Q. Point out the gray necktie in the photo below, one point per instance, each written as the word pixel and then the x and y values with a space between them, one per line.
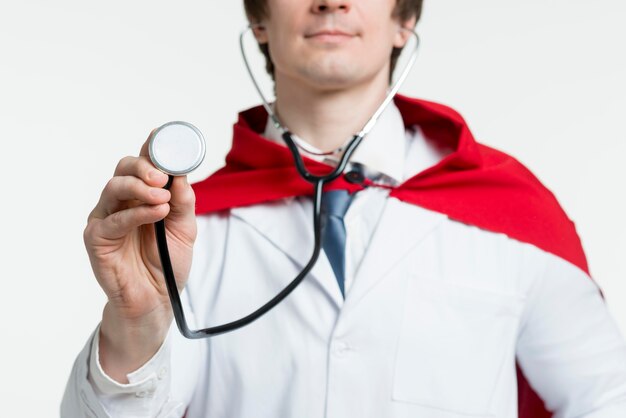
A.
pixel 334 206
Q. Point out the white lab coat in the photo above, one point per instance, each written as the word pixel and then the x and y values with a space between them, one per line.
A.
pixel 437 314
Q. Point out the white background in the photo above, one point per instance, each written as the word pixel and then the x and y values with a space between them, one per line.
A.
pixel 83 83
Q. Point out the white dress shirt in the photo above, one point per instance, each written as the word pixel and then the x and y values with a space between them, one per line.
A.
pixel 436 314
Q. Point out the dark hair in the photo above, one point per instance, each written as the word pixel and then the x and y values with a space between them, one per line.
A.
pixel 256 10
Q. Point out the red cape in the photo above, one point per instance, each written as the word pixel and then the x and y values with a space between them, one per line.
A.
pixel 475 184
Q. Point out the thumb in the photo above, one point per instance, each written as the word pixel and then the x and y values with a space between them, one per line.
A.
pixel 183 201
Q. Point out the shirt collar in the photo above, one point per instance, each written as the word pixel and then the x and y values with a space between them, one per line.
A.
pixel 382 150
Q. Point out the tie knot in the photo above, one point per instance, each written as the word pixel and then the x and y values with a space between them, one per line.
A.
pixel 336 202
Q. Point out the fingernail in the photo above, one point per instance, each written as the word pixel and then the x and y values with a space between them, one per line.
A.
pixel 158 192
pixel 156 175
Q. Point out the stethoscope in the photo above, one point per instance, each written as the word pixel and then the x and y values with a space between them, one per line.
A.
pixel 177 148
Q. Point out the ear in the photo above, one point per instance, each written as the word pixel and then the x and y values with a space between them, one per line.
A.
pixel 403 33
pixel 260 33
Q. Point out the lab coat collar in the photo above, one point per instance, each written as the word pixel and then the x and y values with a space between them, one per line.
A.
pixel 282 227
pixel 277 223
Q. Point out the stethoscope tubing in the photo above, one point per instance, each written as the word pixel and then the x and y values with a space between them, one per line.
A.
pixel 318 182
pixel 172 288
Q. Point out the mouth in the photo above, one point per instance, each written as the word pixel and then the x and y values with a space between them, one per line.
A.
pixel 330 36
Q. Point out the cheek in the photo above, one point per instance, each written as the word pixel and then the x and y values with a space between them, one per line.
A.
pixel 379 27
pixel 282 46
pixel 378 41
pixel 283 37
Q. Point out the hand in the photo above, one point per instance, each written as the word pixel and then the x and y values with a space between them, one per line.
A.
pixel 121 244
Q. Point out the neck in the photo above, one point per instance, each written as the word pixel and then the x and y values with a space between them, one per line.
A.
pixel 326 119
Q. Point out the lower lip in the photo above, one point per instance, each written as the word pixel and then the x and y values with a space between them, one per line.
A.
pixel 330 38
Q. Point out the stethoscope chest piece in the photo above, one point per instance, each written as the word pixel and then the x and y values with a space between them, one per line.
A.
pixel 177 148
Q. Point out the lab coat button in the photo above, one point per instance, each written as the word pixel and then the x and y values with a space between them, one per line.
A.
pixel 141 394
pixel 162 373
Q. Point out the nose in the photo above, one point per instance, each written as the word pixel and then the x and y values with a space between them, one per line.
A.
pixel 331 6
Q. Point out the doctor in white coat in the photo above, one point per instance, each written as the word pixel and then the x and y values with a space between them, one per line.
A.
pixel 430 323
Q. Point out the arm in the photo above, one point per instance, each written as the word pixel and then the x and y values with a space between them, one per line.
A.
pixel 162 387
pixel 569 346
pixel 119 239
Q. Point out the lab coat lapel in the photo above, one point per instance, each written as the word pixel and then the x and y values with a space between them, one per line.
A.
pixel 401 228
pixel 290 229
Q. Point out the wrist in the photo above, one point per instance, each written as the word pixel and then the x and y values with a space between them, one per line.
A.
pixel 125 345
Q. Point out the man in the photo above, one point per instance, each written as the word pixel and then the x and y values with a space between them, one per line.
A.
pixel 457 269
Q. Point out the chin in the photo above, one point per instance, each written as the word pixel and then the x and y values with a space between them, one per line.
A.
pixel 331 82
pixel 332 76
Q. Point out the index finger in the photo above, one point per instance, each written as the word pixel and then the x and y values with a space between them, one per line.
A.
pixel 142 168
pixel 145 147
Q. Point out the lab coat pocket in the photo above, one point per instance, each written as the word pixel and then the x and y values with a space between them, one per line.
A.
pixel 454 342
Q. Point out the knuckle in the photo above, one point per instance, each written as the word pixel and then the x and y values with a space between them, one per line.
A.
pixel 117 220
pixel 123 163
pixel 109 192
pixel 87 232
pixel 91 217
pixel 121 187
pixel 111 184
pixel 116 183
pixel 90 231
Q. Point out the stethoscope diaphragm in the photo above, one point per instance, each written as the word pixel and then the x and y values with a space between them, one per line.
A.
pixel 177 148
